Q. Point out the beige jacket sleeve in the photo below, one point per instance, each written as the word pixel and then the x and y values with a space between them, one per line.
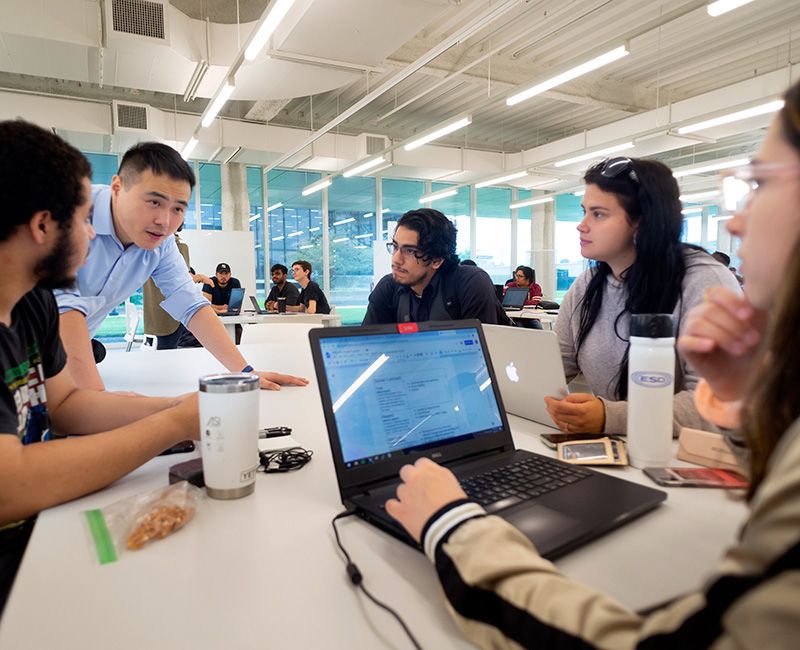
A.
pixel 504 595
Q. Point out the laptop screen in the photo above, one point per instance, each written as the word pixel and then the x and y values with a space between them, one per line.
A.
pixel 235 302
pixel 397 393
pixel 515 297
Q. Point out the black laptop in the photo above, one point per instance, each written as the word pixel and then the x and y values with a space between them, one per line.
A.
pixel 393 393
pixel 234 302
pixel 514 298
pixel 256 307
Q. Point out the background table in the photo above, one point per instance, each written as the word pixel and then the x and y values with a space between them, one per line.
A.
pixel 263 571
pixel 245 318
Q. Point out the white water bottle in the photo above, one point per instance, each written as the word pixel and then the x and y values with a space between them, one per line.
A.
pixel 651 389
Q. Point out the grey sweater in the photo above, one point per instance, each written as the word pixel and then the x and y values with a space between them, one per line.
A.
pixel 603 349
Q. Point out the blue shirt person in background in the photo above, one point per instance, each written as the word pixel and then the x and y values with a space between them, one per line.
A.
pixel 135 219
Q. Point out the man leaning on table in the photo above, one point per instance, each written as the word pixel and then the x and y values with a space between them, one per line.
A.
pixel 135 219
pixel 45 232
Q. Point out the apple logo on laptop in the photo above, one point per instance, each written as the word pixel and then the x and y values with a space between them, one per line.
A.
pixel 511 371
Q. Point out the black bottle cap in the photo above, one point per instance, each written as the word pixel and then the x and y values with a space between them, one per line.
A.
pixel 652 326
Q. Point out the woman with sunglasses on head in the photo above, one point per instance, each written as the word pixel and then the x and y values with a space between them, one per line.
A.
pixel 631 230
pixel 503 594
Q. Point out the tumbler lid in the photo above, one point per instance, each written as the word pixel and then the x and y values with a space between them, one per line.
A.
pixel 235 382
pixel 652 326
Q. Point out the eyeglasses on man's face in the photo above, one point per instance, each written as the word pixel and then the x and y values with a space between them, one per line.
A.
pixel 405 251
pixel 738 185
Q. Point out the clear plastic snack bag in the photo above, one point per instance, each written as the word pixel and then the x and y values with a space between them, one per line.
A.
pixel 131 523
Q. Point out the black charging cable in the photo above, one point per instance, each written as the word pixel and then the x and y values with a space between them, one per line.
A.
pixel 286 460
pixel 358 580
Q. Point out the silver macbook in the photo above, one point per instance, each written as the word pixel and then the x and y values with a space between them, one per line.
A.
pixel 529 367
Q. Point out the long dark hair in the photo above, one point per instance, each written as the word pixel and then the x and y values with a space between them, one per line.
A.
pixel 774 394
pixel 650 197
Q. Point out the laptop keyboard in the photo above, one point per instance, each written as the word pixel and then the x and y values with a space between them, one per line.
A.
pixel 525 479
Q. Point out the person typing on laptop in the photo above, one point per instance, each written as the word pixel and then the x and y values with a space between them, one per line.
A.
pixel 503 594
pixel 135 219
pixel 45 231
pixel 218 291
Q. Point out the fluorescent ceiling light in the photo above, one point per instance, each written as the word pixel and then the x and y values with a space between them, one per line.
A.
pixel 501 179
pixel 369 234
pixel 439 132
pixel 339 240
pixel 270 23
pixel 367 215
pixel 724 6
pixel 314 229
pixel 295 234
pixel 304 246
pixel 594 154
pixel 275 206
pixel 579 193
pixel 692 210
pixel 699 196
pixel 217 103
pixel 254 217
pixel 527 202
pixel 232 156
pixel 317 186
pixel 761 109
pixel 711 167
pixel 572 73
pixel 435 196
pixel 364 166
pixel 189 147
pixel 200 70
pixel 344 221
pixel 385 210
pixel 278 238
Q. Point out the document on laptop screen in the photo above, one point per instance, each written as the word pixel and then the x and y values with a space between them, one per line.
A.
pixel 393 393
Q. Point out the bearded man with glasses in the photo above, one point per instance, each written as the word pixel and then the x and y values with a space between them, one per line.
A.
pixel 427 282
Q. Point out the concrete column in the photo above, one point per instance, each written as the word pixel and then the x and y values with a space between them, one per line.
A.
pixel 543 238
pixel 514 230
pixel 326 247
pixel 235 198
pixel 704 228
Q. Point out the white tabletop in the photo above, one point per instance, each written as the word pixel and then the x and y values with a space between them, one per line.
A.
pixel 263 571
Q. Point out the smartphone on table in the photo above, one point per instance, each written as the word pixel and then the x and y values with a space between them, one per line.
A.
pixel 696 477
pixel 552 439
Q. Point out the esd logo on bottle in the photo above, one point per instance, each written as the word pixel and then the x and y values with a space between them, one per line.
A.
pixel 652 379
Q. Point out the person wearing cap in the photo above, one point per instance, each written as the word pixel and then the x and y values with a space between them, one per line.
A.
pixel 218 291
pixel 135 219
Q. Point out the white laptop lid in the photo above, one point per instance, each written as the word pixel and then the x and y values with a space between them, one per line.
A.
pixel 528 366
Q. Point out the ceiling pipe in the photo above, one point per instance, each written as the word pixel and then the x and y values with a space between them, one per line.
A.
pixel 483 20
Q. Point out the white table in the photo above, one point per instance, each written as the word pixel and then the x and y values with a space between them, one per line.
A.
pixel 263 571
pixel 534 314
pixel 244 318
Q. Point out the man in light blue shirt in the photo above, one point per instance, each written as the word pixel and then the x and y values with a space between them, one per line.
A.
pixel 135 219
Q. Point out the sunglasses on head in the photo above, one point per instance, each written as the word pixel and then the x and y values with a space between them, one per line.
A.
pixel 613 167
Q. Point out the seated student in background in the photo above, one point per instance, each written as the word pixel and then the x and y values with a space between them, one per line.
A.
pixel 45 230
pixel 525 277
pixel 311 299
pixel 631 228
pixel 218 291
pixel 427 282
pixel 504 595
pixel 135 219
pixel 281 288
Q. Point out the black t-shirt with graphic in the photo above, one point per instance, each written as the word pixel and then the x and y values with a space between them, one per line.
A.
pixel 221 295
pixel 314 292
pixel 30 352
pixel 289 292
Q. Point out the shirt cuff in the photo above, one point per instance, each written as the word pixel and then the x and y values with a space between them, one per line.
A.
pixel 444 521
pixel 616 416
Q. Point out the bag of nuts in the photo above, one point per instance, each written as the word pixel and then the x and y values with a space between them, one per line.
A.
pixel 131 523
